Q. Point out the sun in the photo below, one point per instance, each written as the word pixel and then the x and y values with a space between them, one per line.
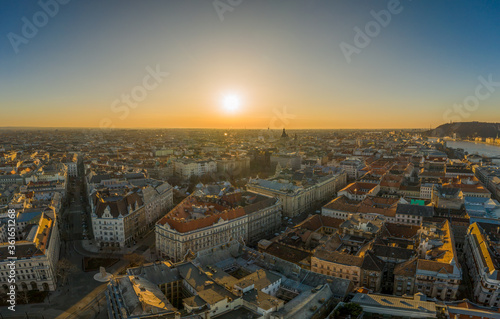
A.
pixel 231 102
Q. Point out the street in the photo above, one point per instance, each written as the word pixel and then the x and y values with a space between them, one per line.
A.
pixel 81 296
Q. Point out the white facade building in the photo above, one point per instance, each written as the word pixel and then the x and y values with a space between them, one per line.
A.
pixel 352 166
pixel 190 167
pixel 37 255
pixel 117 218
pixel 297 199
pixel 482 251
pixel 426 190
pixel 196 224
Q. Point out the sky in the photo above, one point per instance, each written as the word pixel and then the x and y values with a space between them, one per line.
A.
pixel 248 63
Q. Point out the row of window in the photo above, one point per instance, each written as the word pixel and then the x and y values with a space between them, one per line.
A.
pixel 19 265
pixel 355 273
pixel 19 277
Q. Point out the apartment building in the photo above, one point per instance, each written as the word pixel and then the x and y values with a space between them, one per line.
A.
pixel 482 256
pixel 370 207
pixel 392 210
pixel 7 193
pixel 292 161
pixel 199 223
pixel 403 259
pixel 11 179
pixel 112 179
pixel 118 216
pixel 426 190
pixel 187 167
pixel 353 167
pixel 358 225
pixel 470 187
pixel 37 255
pixel 438 273
pixel 447 197
pixel 486 173
pixel 358 191
pixel 70 160
pixel 383 306
pixel 230 281
pixel 298 195
pixel 233 165
pixel 419 306
pixel 363 269
pixel 413 214
pixel 158 199
pixel 49 173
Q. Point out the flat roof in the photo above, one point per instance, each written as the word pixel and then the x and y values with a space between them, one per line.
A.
pixel 392 303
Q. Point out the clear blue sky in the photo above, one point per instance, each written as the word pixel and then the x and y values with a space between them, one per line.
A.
pixel 271 54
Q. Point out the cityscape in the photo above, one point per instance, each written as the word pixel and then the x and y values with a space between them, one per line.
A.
pixel 236 159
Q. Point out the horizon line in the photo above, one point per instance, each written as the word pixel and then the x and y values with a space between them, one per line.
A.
pixel 197 128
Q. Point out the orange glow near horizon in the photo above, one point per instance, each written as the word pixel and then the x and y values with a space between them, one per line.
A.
pixel 177 64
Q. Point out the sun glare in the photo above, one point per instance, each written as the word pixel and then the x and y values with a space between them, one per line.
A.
pixel 231 103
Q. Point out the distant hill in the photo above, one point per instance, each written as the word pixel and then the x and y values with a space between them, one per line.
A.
pixel 465 130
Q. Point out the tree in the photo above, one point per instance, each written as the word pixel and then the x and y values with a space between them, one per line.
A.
pixel 135 259
pixel 65 268
pixel 174 180
pixel 351 308
pixel 108 251
pixel 24 296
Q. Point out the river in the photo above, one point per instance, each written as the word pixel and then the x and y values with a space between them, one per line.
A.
pixel 475 148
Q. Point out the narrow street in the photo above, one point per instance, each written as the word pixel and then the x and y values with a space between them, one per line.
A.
pixel 81 296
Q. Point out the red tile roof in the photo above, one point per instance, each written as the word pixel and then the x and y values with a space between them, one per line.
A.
pixel 183 226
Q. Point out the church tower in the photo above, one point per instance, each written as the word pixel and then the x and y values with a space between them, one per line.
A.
pixel 284 135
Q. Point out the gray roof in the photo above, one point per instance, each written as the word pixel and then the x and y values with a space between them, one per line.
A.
pixel 302 305
pixel 392 303
pixel 275 185
pixel 448 191
pixel 157 273
pixel 415 210
pixel 392 252
pixel 193 276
